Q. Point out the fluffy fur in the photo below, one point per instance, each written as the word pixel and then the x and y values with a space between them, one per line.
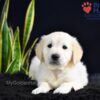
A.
pixel 57 64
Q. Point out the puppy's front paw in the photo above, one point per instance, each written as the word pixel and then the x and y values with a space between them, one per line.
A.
pixel 40 90
pixel 62 90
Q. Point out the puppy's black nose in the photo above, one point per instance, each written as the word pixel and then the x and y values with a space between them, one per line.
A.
pixel 55 57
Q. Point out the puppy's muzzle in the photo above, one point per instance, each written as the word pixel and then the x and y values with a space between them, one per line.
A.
pixel 55 59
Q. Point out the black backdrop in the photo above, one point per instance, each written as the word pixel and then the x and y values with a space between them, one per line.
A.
pixel 61 15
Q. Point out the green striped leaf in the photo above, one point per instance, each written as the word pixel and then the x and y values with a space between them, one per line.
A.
pixel 29 20
pixel 16 50
pixel 10 44
pixel 29 51
pixel 0 51
pixel 4 14
pixel 3 17
pixel 2 20
pixel 25 59
pixel 5 46
pixel 15 66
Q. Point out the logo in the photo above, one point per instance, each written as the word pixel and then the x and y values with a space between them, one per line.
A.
pixel 91 10
pixel 87 7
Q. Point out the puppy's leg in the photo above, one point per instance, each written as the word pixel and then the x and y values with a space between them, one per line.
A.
pixel 64 88
pixel 43 87
pixel 77 85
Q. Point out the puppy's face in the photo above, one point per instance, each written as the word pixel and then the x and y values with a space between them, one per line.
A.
pixel 56 50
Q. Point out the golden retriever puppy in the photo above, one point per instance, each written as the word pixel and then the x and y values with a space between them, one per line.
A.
pixel 57 64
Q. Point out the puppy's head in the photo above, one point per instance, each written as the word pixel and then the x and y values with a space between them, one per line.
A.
pixel 58 50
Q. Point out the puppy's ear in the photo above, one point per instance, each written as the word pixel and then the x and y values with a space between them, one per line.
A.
pixel 39 49
pixel 77 51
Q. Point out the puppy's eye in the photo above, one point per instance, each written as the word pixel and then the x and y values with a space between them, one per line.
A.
pixel 50 45
pixel 64 47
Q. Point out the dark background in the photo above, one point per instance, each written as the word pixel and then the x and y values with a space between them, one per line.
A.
pixel 61 15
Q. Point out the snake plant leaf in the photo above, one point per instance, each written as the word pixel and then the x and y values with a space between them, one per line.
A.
pixel 0 51
pixel 25 62
pixel 4 14
pixel 16 50
pixel 29 51
pixel 1 28
pixel 15 66
pixel 3 17
pixel 2 20
pixel 5 46
pixel 10 44
pixel 29 20
pixel 25 71
pixel 11 34
pixel 25 59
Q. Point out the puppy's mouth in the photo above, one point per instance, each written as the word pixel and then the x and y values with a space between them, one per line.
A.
pixel 56 63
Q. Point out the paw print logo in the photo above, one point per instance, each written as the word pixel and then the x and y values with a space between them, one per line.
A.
pixel 87 7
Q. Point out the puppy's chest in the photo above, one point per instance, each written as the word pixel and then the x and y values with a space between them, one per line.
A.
pixel 57 78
